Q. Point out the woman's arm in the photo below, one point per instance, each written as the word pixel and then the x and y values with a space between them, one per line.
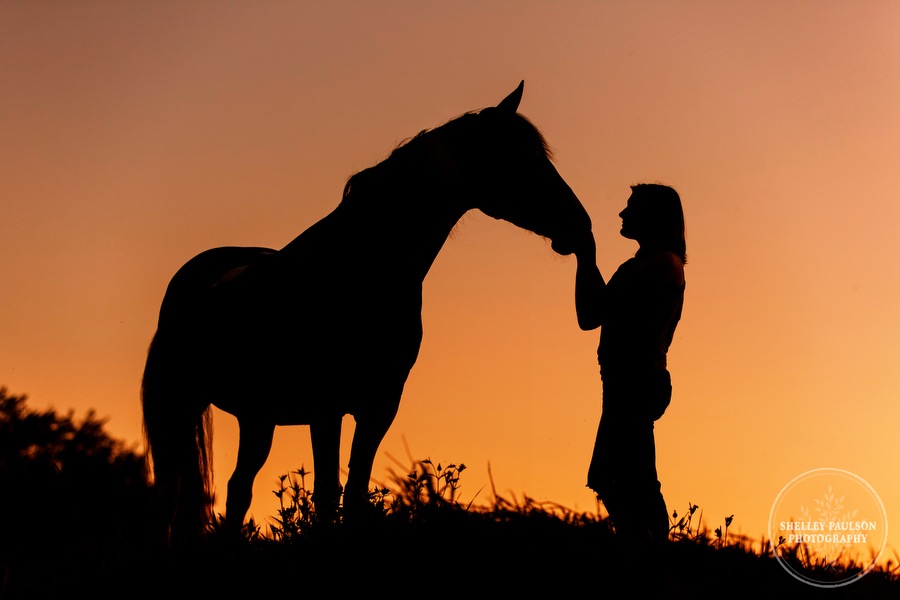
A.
pixel 589 287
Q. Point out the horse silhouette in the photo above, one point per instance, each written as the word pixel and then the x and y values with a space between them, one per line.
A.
pixel 331 324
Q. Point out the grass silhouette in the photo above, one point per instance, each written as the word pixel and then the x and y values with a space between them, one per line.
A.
pixel 419 534
pixel 419 537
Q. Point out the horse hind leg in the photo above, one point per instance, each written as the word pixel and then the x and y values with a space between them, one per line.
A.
pixel 253 450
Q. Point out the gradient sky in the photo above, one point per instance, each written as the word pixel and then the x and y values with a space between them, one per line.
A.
pixel 135 135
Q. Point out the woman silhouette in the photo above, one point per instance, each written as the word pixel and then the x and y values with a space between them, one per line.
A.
pixel 637 312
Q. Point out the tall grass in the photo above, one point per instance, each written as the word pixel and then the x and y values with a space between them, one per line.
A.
pixel 419 518
pixel 421 537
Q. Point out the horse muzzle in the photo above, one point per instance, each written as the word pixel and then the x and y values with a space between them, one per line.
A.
pixel 563 247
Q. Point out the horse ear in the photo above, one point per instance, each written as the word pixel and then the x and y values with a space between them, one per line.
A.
pixel 511 102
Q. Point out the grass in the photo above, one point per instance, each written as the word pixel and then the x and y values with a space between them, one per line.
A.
pixel 420 534
pixel 420 538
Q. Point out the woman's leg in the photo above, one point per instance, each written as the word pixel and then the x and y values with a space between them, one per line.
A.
pixel 623 473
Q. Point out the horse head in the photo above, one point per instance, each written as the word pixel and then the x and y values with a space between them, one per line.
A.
pixel 509 174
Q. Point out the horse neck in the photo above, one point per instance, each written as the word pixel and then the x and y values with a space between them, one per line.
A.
pixel 397 237
pixel 397 215
pixel 423 238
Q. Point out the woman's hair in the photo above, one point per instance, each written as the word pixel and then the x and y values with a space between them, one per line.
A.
pixel 665 216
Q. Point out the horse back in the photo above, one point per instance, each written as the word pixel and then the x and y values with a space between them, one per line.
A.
pixel 193 285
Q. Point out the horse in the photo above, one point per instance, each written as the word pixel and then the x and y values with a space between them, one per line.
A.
pixel 331 324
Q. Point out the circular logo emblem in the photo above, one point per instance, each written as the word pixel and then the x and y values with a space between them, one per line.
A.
pixel 828 527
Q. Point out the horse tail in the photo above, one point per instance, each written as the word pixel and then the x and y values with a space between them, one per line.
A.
pixel 178 435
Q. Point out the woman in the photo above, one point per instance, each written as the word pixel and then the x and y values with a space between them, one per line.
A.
pixel 637 312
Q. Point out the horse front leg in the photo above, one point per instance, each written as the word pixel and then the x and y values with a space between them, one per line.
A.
pixel 371 427
pixel 325 435
pixel 253 449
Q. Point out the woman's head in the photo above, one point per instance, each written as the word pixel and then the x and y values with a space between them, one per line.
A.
pixel 654 218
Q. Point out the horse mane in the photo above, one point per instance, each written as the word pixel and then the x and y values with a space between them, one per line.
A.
pixel 406 150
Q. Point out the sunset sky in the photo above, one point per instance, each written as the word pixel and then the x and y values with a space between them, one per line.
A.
pixel 137 134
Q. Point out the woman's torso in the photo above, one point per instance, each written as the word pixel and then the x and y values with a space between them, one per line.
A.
pixel 644 301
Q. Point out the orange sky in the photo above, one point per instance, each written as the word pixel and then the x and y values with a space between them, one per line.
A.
pixel 135 135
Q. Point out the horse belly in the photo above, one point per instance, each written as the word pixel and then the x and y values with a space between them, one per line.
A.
pixel 295 353
pixel 294 388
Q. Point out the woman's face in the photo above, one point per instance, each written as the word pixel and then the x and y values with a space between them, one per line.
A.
pixel 634 220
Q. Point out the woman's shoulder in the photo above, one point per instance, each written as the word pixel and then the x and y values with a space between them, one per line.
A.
pixel 664 266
